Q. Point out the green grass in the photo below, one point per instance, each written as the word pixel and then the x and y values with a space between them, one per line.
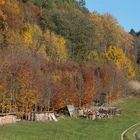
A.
pixel 76 129
pixel 134 131
pixel 138 133
pixel 130 134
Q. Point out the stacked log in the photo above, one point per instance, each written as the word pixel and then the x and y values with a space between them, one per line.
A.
pixel 8 119
pixel 45 117
pixel 100 113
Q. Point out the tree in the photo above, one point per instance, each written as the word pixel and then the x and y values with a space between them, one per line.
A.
pixel 118 57
pixel 49 92
pixel 79 83
pixel 55 46
pixel 3 30
pixel 81 2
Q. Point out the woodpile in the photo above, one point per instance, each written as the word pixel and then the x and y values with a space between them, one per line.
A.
pixel 81 112
pixel 45 116
pixel 8 119
pixel 91 112
pixel 91 115
pixel 99 113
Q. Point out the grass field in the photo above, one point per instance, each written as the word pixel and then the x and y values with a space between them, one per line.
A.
pixel 133 133
pixel 76 129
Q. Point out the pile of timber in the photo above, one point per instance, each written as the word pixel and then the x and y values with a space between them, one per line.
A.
pixel 90 113
pixel 108 112
pixel 8 119
pixel 99 113
pixel 44 116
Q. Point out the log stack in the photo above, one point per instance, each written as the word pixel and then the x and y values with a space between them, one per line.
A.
pixel 8 119
pixel 99 113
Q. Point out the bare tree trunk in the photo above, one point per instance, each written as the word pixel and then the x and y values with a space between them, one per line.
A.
pixel 48 107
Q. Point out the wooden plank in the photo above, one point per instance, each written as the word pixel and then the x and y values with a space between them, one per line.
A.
pixel 71 110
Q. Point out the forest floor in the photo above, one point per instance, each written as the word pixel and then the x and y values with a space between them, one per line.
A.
pixel 77 128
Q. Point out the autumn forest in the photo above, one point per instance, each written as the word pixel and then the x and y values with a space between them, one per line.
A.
pixel 56 52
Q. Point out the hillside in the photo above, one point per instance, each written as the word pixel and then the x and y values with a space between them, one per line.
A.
pixel 55 52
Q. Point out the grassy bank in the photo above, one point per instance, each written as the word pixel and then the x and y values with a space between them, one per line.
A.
pixel 76 129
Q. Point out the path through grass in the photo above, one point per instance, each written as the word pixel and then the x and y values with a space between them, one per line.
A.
pixel 133 133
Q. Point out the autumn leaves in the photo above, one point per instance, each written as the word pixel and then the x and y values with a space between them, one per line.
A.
pixel 54 53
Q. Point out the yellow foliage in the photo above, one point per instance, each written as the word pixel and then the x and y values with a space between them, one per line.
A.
pixel 15 39
pixel 56 47
pixel 31 35
pixel 27 35
pixel 61 48
pixel 42 51
pixel 93 55
pixel 56 78
pixel 118 57
pixel 50 43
